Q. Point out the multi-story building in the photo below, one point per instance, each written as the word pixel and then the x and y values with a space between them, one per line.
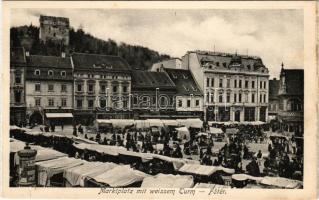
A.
pixel 153 95
pixel 55 29
pixel 49 89
pixel 273 105
pixel 235 86
pixel 291 100
pixel 188 98
pixel 173 63
pixel 102 84
pixel 17 86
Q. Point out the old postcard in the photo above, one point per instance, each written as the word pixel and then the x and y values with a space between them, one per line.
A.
pixel 159 100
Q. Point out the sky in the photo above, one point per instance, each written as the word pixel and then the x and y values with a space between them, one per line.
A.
pixel 274 35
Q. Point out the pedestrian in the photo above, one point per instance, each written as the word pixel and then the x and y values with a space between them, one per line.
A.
pixel 259 157
pixel 62 126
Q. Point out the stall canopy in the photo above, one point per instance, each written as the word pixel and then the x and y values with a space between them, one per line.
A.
pixel 17 145
pixel 47 169
pixel 213 130
pixel 122 123
pixel 183 133
pixel 106 149
pixel 155 122
pixel 120 176
pixel 140 124
pixel 75 176
pixel 195 123
pixel 203 169
pixel 232 131
pixel 212 186
pixel 171 122
pixel 168 181
pixel 281 182
pixel 244 177
pixel 59 115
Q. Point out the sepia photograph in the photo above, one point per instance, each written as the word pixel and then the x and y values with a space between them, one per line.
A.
pixel 159 100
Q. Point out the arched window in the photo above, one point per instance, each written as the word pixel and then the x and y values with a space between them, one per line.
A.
pixel 50 73
pixel 37 72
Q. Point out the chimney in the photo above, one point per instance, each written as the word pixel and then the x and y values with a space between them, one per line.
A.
pixel 27 53
pixel 63 54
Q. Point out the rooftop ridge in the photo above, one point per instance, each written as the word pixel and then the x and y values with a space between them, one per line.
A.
pixel 216 53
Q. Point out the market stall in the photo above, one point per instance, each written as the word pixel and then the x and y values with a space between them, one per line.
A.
pixel 168 181
pixel 183 133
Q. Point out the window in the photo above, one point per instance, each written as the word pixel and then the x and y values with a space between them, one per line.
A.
pixel 207 82
pixel 114 89
pixel 135 100
pixel 217 63
pixel 90 103
pixel 239 97
pixel 63 102
pixel 90 87
pixel 79 103
pixel 79 88
pixel 37 101
pixel 37 87
pixel 235 97
pixel 260 98
pixel 252 84
pixel 37 72
pixel 102 103
pixel 221 82
pixel 63 74
pixel 212 82
pixel 265 97
pixel 246 84
pixel 124 88
pixel 125 103
pixel 239 83
pixel 180 103
pixel 154 100
pixel 246 97
pixel 264 84
pixel 188 103
pixel 18 78
pixel 51 102
pixel 50 87
pixel 235 83
pixel 17 96
pixel 224 64
pixel 63 88
pixel 211 97
pixel 197 102
pixel 253 98
pixel 228 83
pixel 50 73
pixel 228 97
pixel 102 88
pixel 207 97
pixel 220 98
pixel 261 84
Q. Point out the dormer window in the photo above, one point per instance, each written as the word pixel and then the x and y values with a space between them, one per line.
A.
pixel 37 72
pixel 224 64
pixel 186 88
pixel 50 73
pixel 174 76
pixel 63 74
pixel 185 76
pixel 217 63
pixel 248 67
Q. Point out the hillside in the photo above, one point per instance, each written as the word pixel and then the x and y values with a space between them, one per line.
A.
pixel 137 56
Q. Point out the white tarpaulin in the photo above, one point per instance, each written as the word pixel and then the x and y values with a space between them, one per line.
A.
pixel 47 169
pixel 244 177
pixel 122 123
pixel 195 123
pixel 183 133
pixel 168 181
pixel 212 186
pixel 139 124
pixel 106 149
pixel 120 176
pixel 281 182
pixel 215 130
pixel 203 169
pixel 155 122
pixel 75 176
pixel 170 122
pixel 59 115
pixel 17 145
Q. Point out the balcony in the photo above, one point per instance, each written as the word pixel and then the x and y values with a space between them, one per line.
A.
pixel 290 113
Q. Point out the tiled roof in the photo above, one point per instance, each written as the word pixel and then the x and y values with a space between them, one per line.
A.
pixel 98 62
pixel 184 81
pixel 223 60
pixel 148 79
pixel 48 61
pixel 294 81
pixel 17 55
pixel 273 89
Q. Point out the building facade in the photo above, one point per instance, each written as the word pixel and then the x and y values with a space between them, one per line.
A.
pixel 189 97
pixel 102 87
pixel 291 100
pixel 153 95
pixel 235 86
pixel 17 86
pixel 49 89
pixel 273 105
pixel 55 29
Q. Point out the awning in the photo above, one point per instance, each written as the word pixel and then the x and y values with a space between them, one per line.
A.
pixel 232 131
pixel 121 176
pixel 155 122
pixel 215 130
pixel 212 186
pixel 281 182
pixel 170 122
pixel 59 115
pixel 204 169
pixel 168 181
